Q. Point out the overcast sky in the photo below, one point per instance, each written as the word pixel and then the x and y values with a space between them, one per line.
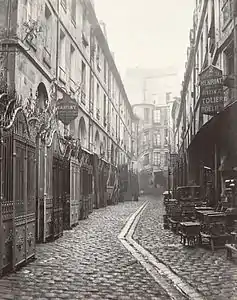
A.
pixel 147 33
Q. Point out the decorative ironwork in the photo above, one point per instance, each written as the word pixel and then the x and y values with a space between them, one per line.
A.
pixel 9 238
pixel 30 239
pixel 20 243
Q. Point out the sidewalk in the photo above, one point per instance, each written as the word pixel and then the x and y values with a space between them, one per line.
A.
pixel 211 274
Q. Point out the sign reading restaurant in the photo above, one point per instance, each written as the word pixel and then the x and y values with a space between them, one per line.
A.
pixel 211 90
pixel 67 109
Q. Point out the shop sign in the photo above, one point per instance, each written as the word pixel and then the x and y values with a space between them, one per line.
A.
pixel 67 109
pixel 211 90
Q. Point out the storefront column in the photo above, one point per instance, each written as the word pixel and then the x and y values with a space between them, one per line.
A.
pixel 216 187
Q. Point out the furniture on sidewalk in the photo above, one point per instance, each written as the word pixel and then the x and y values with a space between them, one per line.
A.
pixel 189 232
pixel 213 230
pixel 188 198
pixel 232 247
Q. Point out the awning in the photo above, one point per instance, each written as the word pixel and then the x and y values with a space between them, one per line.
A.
pixel 211 130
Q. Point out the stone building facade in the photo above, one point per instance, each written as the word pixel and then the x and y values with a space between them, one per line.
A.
pixel 66 122
pixel 206 140
pixel 154 141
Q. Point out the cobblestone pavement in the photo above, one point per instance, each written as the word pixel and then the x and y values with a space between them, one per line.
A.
pixel 210 273
pixel 88 262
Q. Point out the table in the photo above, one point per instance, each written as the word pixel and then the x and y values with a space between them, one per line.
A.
pixel 189 232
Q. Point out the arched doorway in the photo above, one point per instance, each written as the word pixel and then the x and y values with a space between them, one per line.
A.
pixel 42 97
pixel 82 132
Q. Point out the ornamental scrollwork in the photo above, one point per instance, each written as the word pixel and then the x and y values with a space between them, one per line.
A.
pixel 20 243
pixel 30 238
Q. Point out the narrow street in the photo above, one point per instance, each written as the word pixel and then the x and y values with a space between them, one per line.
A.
pixel 90 262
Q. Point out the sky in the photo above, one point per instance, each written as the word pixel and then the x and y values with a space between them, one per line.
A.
pixel 147 33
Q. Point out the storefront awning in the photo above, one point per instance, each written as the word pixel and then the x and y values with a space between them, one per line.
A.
pixel 211 130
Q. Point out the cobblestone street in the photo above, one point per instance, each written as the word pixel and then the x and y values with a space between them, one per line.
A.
pixel 88 262
pixel 211 274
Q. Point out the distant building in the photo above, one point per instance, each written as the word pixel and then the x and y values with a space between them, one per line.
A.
pixel 154 143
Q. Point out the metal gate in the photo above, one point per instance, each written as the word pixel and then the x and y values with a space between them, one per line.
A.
pixel 74 205
pixel 58 195
pixel 17 214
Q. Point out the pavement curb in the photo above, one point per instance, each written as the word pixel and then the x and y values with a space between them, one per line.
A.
pixel 161 273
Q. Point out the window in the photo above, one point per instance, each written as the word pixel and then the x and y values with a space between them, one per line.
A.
pixel 72 63
pixel 73 11
pixel 83 75
pixel 166 158
pixel 166 136
pixel 62 50
pixel 157 138
pixel 48 37
pixel 116 126
pixel 84 13
pixel 146 115
pixel 165 116
pixel 83 82
pixel 227 11
pixel 62 57
pixel 146 138
pixel 97 96
pixel 109 82
pixel 29 11
pixel 146 160
pixel 48 28
pixel 105 70
pixel 98 101
pixel 105 110
pixel 201 51
pixel 156 158
pixel 157 116
pixel 98 57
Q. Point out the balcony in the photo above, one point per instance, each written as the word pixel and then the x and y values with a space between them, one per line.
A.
pixel 97 114
pixel 47 57
pixel 62 75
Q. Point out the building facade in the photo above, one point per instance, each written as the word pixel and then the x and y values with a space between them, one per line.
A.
pixel 154 144
pixel 66 122
pixel 205 125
